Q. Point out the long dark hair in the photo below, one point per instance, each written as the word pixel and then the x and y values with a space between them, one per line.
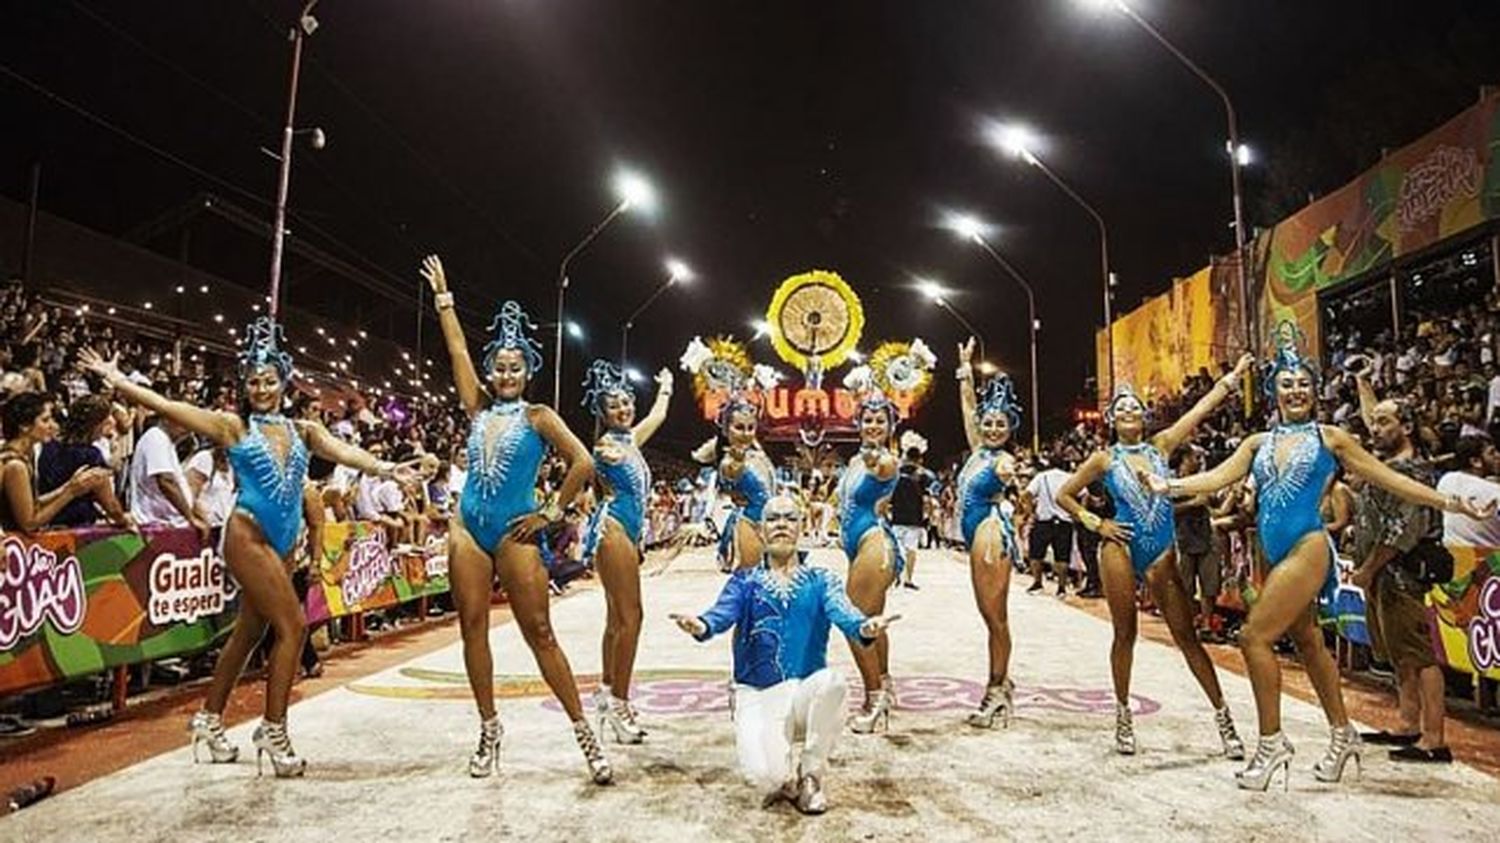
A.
pixel 84 417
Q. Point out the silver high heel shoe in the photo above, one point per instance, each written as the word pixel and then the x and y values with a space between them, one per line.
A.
pixel 270 739
pixel 1343 744
pixel 1124 730
pixel 1272 753
pixel 599 769
pixel 890 688
pixel 207 728
pixel 617 715
pixel 486 758
pixel 875 715
pixel 998 703
pixel 1234 748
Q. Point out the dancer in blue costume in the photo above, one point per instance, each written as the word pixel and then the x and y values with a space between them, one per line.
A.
pixel 1293 464
pixel 1140 546
pixel 269 454
pixel 616 531
pixel 874 554
pixel 748 474
pixel 499 525
pixel 986 482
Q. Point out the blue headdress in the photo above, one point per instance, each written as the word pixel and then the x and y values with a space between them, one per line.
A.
pixel 603 379
pixel 511 330
pixel 1122 392
pixel 998 395
pixel 736 401
pixel 262 347
pixel 1290 342
pixel 876 400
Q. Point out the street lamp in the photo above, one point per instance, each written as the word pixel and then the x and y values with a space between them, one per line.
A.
pixel 306 25
pixel 1019 142
pixel 633 191
pixel 972 229
pixel 677 273
pixel 1239 154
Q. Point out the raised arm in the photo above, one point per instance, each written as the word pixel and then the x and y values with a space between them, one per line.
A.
pixel 1216 478
pixel 968 402
pixel 321 441
pixel 1366 465
pixel 653 420
pixel 1170 439
pixel 1367 400
pixel 223 429
pixel 465 379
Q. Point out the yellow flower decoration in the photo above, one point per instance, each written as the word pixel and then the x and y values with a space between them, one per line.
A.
pixel 896 370
pixel 815 316
pixel 730 361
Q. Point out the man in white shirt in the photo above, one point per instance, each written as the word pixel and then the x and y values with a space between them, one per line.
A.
pixel 1478 459
pixel 379 500
pixel 159 493
pixel 1051 529
pixel 211 481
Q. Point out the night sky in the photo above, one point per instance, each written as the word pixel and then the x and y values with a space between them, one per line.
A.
pixel 781 136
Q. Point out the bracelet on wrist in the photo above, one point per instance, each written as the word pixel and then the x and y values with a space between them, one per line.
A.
pixel 1090 521
pixel 552 512
pixel 443 300
pixel 963 373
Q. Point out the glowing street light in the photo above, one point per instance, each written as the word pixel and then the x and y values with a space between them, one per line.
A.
pixel 678 272
pixel 575 330
pixel 632 192
pixel 761 328
pixel 1020 142
pixel 1239 153
pixel 969 228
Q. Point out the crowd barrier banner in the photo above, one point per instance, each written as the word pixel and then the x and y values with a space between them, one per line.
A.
pixel 77 602
pixel 1466 613
pixel 1441 185
pixel 359 571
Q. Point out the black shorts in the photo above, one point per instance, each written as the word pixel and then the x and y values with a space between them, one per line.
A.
pixel 1057 535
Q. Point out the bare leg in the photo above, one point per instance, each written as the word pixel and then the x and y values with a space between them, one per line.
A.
pixel 266 586
pixel 1118 578
pixel 748 547
pixel 1177 610
pixel 870 575
pixel 471 577
pixel 619 567
pixel 989 573
pixel 1409 699
pixel 524 578
pixel 249 628
pixel 1285 604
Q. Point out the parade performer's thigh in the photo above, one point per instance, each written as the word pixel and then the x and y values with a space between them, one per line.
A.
pixel 524 578
pixel 471 580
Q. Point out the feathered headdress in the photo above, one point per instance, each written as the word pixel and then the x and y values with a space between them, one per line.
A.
pixel 603 379
pixel 734 402
pixel 1290 356
pixel 1122 392
pixel 511 330
pixel 998 395
pixel 262 347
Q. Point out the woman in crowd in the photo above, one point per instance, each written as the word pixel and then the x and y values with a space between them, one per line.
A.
pixel 499 525
pixel 1140 546
pixel 76 448
pixel 269 453
pixel 987 480
pixel 27 425
pixel 1293 463
pixel 874 554
pixel 617 528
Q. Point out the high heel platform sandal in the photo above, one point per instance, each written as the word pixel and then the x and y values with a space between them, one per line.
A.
pixel 1124 730
pixel 617 715
pixel 599 769
pixel 1234 748
pixel 998 703
pixel 1272 753
pixel 875 715
pixel 207 728
pixel 270 739
pixel 1343 744
pixel 486 758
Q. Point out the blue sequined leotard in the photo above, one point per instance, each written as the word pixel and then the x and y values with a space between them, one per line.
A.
pixel 505 453
pixel 754 484
pixel 981 491
pixel 270 487
pixel 1288 496
pixel 1149 516
pixel 860 492
pixel 628 482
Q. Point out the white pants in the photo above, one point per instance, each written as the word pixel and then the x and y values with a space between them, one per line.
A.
pixel 767 721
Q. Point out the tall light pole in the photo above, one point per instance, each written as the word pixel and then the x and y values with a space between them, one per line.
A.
pixel 1238 154
pixel 306 25
pixel 938 295
pixel 633 192
pixel 1018 142
pixel 972 229
pixel 677 273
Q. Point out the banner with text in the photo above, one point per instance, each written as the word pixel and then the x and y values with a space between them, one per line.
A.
pixel 359 571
